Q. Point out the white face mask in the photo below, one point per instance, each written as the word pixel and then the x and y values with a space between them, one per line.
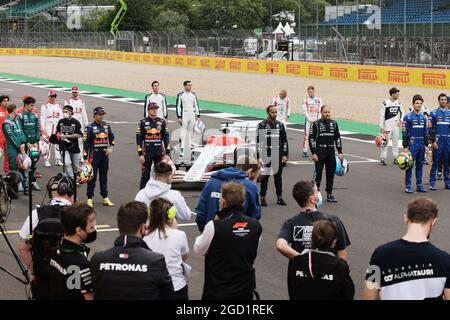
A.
pixel 66 115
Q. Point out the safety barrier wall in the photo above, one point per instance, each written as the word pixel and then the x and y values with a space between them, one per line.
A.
pixel 415 77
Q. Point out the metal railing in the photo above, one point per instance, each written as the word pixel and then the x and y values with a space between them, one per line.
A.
pixel 344 44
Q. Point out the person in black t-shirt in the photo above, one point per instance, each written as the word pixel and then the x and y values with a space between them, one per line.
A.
pixel 70 130
pixel 70 269
pixel 410 268
pixel 317 274
pixel 230 245
pixel 295 234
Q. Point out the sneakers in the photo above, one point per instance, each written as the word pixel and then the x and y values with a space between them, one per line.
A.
pixel 305 154
pixel 90 203
pixel 47 163
pixel 408 190
pixel 421 189
pixel 383 161
pixel 331 198
pixel 107 202
pixel 433 187
pixel 439 175
pixel 263 202
pixel 59 163
pixel 35 186
pixel 20 188
pixel 281 202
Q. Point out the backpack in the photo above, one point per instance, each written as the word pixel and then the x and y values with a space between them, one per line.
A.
pixel 46 237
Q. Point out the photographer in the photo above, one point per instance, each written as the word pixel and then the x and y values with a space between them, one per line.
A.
pixel 60 189
pixel 70 130
pixel 78 222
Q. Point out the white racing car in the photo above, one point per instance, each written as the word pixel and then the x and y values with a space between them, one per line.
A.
pixel 219 149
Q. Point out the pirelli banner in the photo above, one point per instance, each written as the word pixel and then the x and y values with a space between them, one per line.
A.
pixel 415 77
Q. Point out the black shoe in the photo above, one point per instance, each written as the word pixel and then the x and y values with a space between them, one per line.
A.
pixel 383 162
pixel 439 175
pixel 281 202
pixel 331 198
pixel 263 202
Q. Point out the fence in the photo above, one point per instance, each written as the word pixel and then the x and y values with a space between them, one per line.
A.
pixel 392 45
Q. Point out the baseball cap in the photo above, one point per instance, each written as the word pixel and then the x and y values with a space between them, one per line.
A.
pixel 99 111
pixel 152 105
pixel 52 93
pixel 68 107
pixel 75 89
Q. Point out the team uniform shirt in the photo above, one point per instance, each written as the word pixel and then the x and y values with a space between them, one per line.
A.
pixel 152 137
pixel 3 115
pixel 390 114
pixel 311 109
pixel 69 127
pixel 268 132
pixel 70 254
pixel 409 270
pixel 79 110
pixel 172 247
pixel 31 126
pixel 283 107
pixel 187 103
pixel 50 115
pixel 97 138
pixel 298 230
pixel 160 100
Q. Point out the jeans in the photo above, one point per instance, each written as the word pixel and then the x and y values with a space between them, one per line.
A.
pixel 71 161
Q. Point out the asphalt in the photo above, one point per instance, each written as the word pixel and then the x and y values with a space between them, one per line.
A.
pixel 371 202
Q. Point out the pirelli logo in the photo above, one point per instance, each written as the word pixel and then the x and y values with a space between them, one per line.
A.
pixel 156 59
pixel 146 58
pixel 179 61
pixel 191 62
pixel 167 60
pixel 37 52
pixel 50 51
pixel 367 74
pixel 219 64
pixel 315 71
pixel 137 57
pixel 235 65
pixel 437 80
pixel 398 76
pixel 293 69
pixel 128 57
pixel 273 67
pixel 23 51
pixel 204 63
pixel 119 56
pixel 339 73
pixel 253 66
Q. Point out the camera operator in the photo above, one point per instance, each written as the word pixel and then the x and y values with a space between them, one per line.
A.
pixel 70 130
pixel 60 189
pixel 78 222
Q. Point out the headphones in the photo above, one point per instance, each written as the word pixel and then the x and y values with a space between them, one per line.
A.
pixel 62 184
pixel 171 212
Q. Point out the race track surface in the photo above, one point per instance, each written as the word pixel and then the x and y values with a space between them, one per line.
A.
pixel 371 201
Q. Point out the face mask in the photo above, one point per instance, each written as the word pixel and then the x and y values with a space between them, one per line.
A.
pixel 319 200
pixel 66 115
pixel 91 237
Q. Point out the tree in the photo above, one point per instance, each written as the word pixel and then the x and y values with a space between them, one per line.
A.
pixel 241 14
pixel 139 16
pixel 171 21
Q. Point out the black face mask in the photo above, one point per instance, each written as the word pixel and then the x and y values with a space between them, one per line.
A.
pixel 91 237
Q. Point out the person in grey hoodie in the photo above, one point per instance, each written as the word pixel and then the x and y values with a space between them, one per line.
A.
pixel 246 172
pixel 160 188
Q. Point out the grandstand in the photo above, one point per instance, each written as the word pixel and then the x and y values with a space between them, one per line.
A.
pixel 28 8
pixel 392 12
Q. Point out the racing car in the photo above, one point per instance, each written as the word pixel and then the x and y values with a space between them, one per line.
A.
pixel 219 149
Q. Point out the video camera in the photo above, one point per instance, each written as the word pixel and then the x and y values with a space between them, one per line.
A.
pixel 9 190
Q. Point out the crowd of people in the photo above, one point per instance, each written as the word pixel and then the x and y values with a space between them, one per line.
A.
pixel 149 258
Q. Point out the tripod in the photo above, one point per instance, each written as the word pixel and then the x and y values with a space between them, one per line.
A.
pixel 25 280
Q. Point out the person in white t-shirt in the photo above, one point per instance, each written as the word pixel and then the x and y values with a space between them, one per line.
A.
pixel 164 237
